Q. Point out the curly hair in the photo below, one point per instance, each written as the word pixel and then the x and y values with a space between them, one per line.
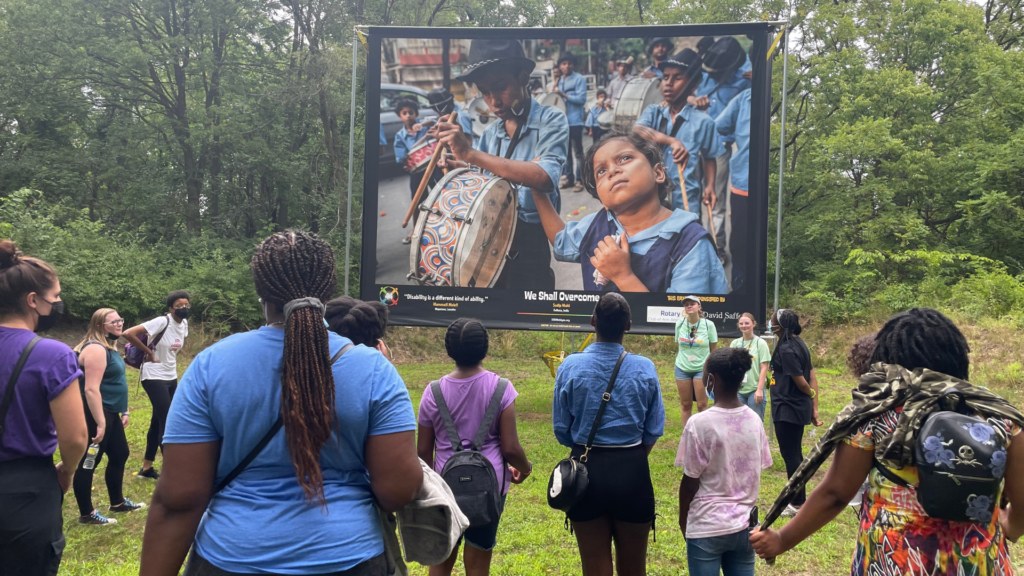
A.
pixel 858 360
pixel 649 150
pixel 288 266
pixel 730 365
pixel 466 342
pixel 923 338
pixel 361 322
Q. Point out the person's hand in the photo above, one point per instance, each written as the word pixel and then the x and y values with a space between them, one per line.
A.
pixel 446 160
pixel 699 102
pixel 1004 523
pixel 759 397
pixel 590 132
pixel 767 543
pixel 649 74
pixel 680 155
pixel 124 420
pixel 611 258
pixel 101 430
pixel 710 199
pixel 748 74
pixel 519 475
pixel 452 136
pixel 64 477
pixel 417 126
pixel 814 417
pixel 151 357
pixel 432 133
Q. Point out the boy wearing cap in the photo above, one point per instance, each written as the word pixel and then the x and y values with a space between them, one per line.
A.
pixel 679 128
pixel 527 146
pixel 734 122
pixel 618 84
pixel 723 80
pixel 572 86
pixel 600 105
pixel 658 50
pixel 444 103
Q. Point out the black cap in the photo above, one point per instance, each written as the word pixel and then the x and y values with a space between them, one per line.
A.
pixel 660 40
pixel 441 100
pixel 567 57
pixel 686 59
pixel 704 43
pixel 486 52
pixel 724 54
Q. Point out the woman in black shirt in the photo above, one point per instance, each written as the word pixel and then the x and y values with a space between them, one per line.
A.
pixel 794 394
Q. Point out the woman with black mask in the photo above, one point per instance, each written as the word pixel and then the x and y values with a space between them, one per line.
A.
pixel 160 373
pixel 40 409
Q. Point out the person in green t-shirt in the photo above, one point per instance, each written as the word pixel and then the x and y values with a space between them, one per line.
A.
pixel 696 337
pixel 752 389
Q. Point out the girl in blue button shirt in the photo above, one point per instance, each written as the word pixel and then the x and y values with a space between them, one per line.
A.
pixel 619 502
pixel 306 503
pixel 635 243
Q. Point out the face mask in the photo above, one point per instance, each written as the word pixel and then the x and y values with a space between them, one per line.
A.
pixel 112 337
pixel 181 313
pixel 50 320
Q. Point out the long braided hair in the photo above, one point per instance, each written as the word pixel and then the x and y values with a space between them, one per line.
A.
pixel 287 266
pixel 923 338
pixel 790 324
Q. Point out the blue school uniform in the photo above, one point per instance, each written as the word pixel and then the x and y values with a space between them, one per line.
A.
pixel 544 140
pixel 697 133
pixel 675 255
pixel 654 68
pixel 721 93
pixel 734 122
pixel 404 141
pixel 383 140
pixel 574 86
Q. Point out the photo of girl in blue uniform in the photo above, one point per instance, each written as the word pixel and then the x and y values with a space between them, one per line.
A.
pixel 636 242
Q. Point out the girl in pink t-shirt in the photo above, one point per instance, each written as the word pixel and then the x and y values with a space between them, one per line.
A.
pixel 726 449
pixel 467 390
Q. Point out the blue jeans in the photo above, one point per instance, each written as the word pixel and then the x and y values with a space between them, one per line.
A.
pixel 758 409
pixel 731 554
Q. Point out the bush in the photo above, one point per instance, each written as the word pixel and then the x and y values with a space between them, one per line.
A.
pixel 992 294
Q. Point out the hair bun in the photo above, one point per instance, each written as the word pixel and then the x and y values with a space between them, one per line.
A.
pixel 9 254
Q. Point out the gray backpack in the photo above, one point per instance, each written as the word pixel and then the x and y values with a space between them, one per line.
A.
pixel 468 472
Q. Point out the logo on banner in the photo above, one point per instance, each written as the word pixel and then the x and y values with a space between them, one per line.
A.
pixel 664 314
pixel 389 295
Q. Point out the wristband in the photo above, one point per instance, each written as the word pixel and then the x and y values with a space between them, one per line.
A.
pixel 813 392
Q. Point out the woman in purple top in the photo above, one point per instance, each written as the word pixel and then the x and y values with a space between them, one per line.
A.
pixel 38 412
pixel 467 390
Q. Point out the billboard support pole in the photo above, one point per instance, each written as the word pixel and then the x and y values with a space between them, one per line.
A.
pixel 351 148
pixel 782 162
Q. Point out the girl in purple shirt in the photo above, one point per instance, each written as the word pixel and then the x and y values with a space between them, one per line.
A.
pixel 467 390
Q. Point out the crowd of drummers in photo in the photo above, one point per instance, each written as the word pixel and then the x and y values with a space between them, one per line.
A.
pixel 669 162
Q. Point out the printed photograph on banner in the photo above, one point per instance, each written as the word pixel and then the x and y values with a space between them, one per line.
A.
pixel 573 164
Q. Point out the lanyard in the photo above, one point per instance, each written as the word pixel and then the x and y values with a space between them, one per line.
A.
pixel 693 331
pixel 751 345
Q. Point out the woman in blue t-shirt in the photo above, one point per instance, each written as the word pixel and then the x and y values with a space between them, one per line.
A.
pixel 305 504
pixel 44 412
pixel 105 393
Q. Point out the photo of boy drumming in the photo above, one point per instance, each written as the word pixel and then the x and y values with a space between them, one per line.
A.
pixel 680 128
pixel 635 243
pixel 408 136
pixel 526 146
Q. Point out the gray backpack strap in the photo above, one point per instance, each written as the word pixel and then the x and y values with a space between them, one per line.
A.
pixel 492 412
pixel 446 416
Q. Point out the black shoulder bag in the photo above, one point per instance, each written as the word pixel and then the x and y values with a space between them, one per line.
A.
pixel 5 404
pixel 266 438
pixel 569 480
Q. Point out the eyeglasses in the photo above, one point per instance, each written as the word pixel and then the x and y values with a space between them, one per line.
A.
pixel 118 322
pixel 182 307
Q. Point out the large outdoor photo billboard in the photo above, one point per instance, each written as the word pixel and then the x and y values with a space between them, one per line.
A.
pixel 506 210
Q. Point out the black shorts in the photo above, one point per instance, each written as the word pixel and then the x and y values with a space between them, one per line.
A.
pixel 620 486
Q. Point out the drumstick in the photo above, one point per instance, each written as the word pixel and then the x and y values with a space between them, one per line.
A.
pixel 426 178
pixel 711 223
pixel 682 184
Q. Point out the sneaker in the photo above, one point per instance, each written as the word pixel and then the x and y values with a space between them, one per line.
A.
pixel 96 518
pixel 127 506
pixel 578 187
pixel 151 473
pixel 790 511
pixel 407 240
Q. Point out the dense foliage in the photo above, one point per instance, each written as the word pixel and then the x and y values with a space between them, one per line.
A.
pixel 164 138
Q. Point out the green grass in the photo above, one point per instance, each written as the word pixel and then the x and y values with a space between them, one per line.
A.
pixel 532 539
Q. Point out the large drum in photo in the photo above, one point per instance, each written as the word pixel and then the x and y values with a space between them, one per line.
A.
pixel 551 99
pixel 638 94
pixel 464 231
pixel 420 155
